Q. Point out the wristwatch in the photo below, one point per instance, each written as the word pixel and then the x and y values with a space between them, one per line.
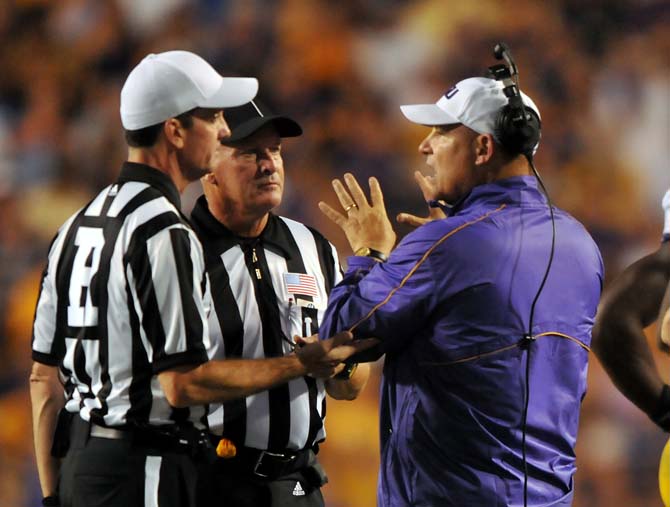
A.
pixel 347 372
pixel 364 251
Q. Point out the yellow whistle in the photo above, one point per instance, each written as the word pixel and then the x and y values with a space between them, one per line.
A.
pixel 226 449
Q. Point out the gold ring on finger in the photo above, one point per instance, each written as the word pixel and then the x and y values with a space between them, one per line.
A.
pixel 352 205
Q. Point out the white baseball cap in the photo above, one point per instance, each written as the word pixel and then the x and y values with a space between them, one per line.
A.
pixel 473 102
pixel 165 85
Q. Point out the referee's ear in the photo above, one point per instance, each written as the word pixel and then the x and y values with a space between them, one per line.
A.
pixel 209 179
pixel 174 132
pixel 210 189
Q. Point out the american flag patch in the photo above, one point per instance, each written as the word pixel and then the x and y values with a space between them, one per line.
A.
pixel 300 283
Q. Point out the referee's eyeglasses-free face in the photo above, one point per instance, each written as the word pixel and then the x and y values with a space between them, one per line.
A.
pixel 203 131
pixel 250 173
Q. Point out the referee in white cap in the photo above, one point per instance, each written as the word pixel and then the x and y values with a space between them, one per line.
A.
pixel 122 312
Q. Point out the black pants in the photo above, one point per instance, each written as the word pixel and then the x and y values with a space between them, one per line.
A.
pixel 221 487
pixel 100 472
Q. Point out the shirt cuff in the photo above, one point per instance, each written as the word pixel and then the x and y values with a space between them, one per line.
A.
pixel 48 359
pixel 356 262
pixel 193 357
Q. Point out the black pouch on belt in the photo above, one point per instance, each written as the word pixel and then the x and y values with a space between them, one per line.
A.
pixel 201 448
pixel 314 473
pixel 61 438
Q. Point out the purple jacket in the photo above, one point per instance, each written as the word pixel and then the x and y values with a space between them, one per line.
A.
pixel 451 306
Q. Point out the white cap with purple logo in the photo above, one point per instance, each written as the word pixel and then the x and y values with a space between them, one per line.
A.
pixel 474 102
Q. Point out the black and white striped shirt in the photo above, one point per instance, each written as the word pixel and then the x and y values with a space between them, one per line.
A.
pixel 260 301
pixel 122 300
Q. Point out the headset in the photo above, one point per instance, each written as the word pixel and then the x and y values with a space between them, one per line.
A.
pixel 517 129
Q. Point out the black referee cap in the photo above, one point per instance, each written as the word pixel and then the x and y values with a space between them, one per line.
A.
pixel 252 116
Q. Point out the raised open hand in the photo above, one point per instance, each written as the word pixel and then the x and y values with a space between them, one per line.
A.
pixel 366 224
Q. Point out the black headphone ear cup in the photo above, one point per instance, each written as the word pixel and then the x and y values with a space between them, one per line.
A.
pixel 533 130
pixel 518 136
pixel 501 130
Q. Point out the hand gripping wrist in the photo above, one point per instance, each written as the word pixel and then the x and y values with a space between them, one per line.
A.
pixel 662 414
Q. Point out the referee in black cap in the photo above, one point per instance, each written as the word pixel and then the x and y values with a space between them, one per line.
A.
pixel 270 279
pixel 122 312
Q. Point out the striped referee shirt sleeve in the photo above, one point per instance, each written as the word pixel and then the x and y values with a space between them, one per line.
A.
pixel 167 277
pixel 47 348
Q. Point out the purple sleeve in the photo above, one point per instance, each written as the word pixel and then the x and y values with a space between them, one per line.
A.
pixel 388 301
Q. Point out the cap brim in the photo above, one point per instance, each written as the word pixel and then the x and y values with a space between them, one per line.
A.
pixel 234 92
pixel 427 114
pixel 286 127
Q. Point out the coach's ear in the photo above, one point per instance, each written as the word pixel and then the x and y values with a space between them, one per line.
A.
pixel 484 146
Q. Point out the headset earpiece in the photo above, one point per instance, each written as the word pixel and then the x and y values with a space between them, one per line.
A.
pixel 517 126
pixel 518 129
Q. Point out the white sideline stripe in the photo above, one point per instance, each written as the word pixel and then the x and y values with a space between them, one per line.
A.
pixel 152 473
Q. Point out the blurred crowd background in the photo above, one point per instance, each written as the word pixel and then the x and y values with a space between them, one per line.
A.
pixel 598 69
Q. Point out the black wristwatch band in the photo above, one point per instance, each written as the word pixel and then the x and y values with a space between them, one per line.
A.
pixel 662 414
pixel 364 251
pixel 347 372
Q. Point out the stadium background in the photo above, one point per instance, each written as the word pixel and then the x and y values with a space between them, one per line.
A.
pixel 598 69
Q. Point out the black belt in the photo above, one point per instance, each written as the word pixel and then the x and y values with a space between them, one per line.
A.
pixel 159 439
pixel 162 439
pixel 265 464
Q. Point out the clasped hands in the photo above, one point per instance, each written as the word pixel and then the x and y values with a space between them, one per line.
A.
pixel 325 358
